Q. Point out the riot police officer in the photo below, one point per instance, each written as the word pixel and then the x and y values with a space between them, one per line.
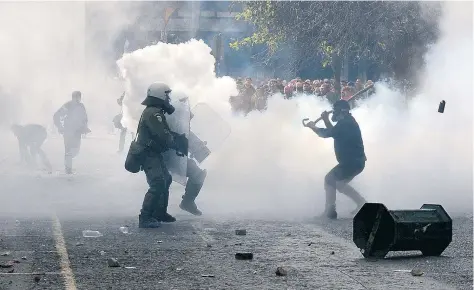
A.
pixel 30 139
pixel 71 121
pixel 153 133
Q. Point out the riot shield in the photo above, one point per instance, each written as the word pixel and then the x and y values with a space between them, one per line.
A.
pixel 178 123
pixel 208 132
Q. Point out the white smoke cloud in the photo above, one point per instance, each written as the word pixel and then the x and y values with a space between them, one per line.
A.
pixel 49 49
pixel 272 166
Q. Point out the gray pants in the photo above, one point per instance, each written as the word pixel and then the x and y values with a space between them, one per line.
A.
pixel 123 133
pixel 72 145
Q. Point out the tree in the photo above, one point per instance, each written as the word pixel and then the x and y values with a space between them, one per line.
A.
pixel 392 34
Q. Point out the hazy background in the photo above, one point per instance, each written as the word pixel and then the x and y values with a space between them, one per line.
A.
pixel 270 166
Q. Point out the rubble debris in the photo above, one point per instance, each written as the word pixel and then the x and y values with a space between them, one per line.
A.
pixel 208 245
pixel 288 234
pixel 207 276
pixel 280 271
pixel 11 270
pixel 179 269
pixel 244 256
pixel 8 264
pixel 124 229
pixel 16 261
pixel 416 272
pixel 37 278
pixel 241 232
pixel 159 242
pixel 102 253
pixel 4 254
pixel 79 244
pixel 91 234
pixel 310 243
pixel 332 252
pixel 238 244
pixel 112 262
pixel 24 258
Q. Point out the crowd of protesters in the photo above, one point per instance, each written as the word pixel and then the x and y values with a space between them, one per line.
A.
pixel 254 95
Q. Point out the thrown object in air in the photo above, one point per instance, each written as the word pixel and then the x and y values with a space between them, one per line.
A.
pixel 441 106
pixel 377 230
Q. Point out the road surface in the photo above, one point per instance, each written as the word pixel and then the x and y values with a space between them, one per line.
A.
pixel 42 218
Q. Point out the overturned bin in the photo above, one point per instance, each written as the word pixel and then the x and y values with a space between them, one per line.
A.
pixel 377 230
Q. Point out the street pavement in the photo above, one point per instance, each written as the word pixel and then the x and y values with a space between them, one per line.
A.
pixel 42 246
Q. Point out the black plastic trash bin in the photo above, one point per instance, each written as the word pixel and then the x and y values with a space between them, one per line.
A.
pixel 377 230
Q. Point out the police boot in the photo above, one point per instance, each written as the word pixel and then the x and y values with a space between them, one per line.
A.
pixel 145 219
pixel 193 187
pixel 161 214
pixel 190 194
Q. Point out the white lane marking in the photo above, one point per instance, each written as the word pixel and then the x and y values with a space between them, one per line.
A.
pixel 66 270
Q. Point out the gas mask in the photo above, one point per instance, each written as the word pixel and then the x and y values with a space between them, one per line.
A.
pixel 167 107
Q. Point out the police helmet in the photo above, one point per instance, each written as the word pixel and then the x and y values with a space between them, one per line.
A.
pixel 159 91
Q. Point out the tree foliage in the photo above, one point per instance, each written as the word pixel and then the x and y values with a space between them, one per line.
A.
pixel 392 34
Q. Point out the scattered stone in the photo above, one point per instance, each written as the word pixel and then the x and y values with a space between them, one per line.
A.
pixel 159 242
pixel 416 272
pixel 37 278
pixel 332 253
pixel 23 258
pixel 244 256
pixel 238 244
pixel 4 254
pixel 8 264
pixel 208 245
pixel 126 251
pixel 16 261
pixel 79 244
pixel 11 270
pixel 280 271
pixel 207 276
pixel 241 232
pixel 124 229
pixel 130 267
pixel 194 233
pixel 102 253
pixel 310 243
pixel 112 262
pixel 179 269
pixel 288 234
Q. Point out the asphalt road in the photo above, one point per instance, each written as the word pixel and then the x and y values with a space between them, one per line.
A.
pixel 43 216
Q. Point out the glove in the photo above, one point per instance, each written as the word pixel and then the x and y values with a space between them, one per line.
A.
pixel 181 144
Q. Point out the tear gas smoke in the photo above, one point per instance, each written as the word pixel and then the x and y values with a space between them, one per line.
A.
pixel 48 50
pixel 272 166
